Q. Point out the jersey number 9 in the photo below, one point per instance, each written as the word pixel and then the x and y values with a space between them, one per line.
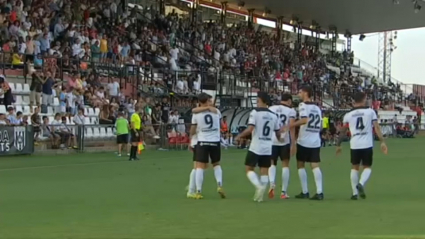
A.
pixel 209 121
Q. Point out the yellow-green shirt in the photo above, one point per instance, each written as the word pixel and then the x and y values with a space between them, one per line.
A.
pixel 137 122
pixel 325 122
pixel 121 126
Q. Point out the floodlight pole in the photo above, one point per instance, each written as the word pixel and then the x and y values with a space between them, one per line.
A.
pixel 223 12
pixel 334 39
pixel 317 39
pixel 161 6
pixel 384 55
pixel 299 36
pixel 251 17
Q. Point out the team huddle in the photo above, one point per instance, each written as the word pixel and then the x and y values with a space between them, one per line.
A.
pixel 273 137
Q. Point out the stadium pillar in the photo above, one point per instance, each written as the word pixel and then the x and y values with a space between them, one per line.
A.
pixel 223 12
pixel 317 39
pixel 161 6
pixel 195 12
pixel 251 17
pixel 349 43
pixel 334 38
pixel 299 36
pixel 279 23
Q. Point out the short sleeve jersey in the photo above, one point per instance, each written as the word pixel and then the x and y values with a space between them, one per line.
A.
pixel 137 122
pixel 360 121
pixel 208 126
pixel 265 123
pixel 284 114
pixel 309 134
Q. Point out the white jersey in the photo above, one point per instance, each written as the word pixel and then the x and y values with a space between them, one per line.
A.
pixel 309 134
pixel 360 121
pixel 284 114
pixel 265 123
pixel 208 126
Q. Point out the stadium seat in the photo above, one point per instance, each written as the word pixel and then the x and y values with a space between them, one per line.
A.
pixel 56 101
pixel 50 111
pixel 26 89
pixel 102 132
pixel 3 109
pixel 93 120
pixel 89 132
pixel 87 121
pixel 26 110
pixel 18 108
pixel 90 112
pixel 12 86
pixel 25 100
pixel 51 118
pixel 96 111
pixel 109 132
pixel 18 100
pixel 18 88
pixel 96 132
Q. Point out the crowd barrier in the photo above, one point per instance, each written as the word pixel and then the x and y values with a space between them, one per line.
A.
pixel 18 140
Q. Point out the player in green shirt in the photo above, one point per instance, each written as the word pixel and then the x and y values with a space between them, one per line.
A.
pixel 122 129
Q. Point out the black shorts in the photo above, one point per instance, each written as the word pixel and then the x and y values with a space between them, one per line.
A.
pixel 362 156
pixel 252 159
pixel 122 139
pixel 194 152
pixel 309 155
pixel 134 138
pixel 208 152
pixel 282 152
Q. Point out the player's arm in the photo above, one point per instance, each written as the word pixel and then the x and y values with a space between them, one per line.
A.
pixel 379 133
pixel 203 109
pixel 303 118
pixel 194 126
pixel 250 128
pixel 277 130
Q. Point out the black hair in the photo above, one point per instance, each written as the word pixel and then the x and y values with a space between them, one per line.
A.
pixel 203 98
pixel 286 97
pixel 264 97
pixel 308 89
pixel 19 113
pixel 359 97
pixel 45 117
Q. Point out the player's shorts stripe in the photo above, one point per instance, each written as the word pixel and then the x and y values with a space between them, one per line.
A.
pixel 251 124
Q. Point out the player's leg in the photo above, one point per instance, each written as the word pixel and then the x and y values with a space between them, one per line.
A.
pixel 251 160
pixel 285 156
pixel 354 174
pixel 202 158
pixel 301 159
pixel 192 177
pixel 272 170
pixel 314 159
pixel 215 156
pixel 135 139
pixel 367 160
pixel 264 163
pixel 119 144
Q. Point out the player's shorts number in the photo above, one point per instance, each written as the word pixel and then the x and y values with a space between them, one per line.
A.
pixel 266 129
pixel 314 121
pixel 209 121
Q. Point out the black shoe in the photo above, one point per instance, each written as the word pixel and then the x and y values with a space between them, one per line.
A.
pixel 354 197
pixel 303 196
pixel 317 197
pixel 361 191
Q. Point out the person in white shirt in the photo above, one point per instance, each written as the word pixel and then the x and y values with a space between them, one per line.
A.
pixel 309 142
pixel 174 52
pixel 206 125
pixel 262 124
pixel 79 117
pixel 361 121
pixel 283 150
pixel 180 86
pixel 114 88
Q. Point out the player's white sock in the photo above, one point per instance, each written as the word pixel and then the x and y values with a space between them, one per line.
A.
pixel 264 180
pixel 303 178
pixel 354 175
pixel 223 142
pixel 318 179
pixel 285 179
pixel 218 174
pixel 365 176
pixel 272 175
pixel 199 179
pixel 252 176
pixel 192 184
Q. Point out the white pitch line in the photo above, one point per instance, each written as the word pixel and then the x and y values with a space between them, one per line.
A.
pixel 189 156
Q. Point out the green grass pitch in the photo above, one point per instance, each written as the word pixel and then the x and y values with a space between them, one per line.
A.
pixel 101 196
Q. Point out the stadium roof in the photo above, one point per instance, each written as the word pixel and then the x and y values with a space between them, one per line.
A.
pixel 356 16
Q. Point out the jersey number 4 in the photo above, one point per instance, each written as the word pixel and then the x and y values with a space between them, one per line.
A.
pixel 359 123
pixel 314 121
